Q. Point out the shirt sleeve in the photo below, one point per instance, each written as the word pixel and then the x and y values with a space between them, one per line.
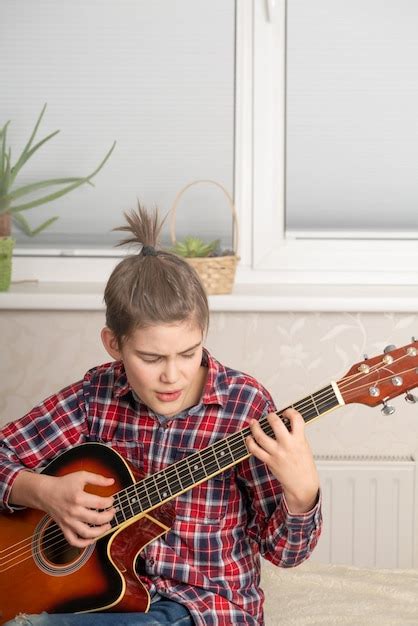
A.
pixel 29 443
pixel 284 539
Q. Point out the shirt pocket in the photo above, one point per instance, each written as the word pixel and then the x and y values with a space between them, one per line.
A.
pixel 206 503
pixel 127 445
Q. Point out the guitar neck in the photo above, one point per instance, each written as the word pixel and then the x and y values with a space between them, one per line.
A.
pixel 185 474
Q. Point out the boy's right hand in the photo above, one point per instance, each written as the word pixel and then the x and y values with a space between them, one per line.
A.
pixel 82 516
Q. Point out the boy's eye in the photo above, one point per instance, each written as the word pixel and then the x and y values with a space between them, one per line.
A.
pixel 151 359
pixel 155 359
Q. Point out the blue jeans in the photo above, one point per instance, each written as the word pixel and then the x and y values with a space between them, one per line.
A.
pixel 162 613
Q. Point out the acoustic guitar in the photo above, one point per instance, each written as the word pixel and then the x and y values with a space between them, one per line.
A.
pixel 40 571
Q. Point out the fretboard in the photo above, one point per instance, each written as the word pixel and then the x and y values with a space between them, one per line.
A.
pixel 181 476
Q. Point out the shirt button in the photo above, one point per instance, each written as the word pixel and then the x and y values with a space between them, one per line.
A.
pixel 151 561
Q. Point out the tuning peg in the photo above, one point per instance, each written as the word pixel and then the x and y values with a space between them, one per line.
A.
pixel 389 348
pixel 413 339
pixel 387 409
pixel 397 381
pixel 409 397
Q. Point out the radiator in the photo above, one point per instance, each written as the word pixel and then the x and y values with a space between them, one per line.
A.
pixel 370 511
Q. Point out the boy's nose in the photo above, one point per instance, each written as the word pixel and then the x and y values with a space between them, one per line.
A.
pixel 170 372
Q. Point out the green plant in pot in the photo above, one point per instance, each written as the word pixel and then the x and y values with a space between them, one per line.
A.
pixel 14 199
pixel 194 247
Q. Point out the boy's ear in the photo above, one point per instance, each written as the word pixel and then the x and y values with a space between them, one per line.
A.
pixel 111 343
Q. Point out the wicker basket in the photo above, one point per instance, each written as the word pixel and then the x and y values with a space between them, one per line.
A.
pixel 6 250
pixel 217 273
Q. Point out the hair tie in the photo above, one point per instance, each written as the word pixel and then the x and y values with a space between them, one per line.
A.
pixel 149 251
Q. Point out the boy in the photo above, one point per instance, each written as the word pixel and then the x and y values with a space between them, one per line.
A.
pixel 163 397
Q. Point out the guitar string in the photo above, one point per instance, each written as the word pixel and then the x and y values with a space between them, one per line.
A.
pixel 215 467
pixel 210 450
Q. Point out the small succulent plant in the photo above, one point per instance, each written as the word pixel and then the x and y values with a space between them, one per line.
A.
pixel 192 247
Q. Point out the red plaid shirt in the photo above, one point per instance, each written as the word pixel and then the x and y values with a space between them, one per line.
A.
pixel 210 559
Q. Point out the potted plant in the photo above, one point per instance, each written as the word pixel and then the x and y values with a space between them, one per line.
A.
pixel 194 247
pixel 11 196
pixel 215 267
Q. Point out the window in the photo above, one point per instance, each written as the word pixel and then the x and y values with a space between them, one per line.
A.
pixel 279 252
pixel 157 77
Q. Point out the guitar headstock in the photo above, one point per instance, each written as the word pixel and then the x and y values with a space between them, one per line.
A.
pixel 378 379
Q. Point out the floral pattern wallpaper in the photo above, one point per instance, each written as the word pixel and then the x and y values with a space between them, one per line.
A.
pixel 292 354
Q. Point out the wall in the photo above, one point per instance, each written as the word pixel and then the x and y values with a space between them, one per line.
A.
pixel 293 354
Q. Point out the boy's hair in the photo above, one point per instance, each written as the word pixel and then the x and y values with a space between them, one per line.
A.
pixel 154 286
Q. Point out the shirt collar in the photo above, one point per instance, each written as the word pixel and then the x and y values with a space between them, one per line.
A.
pixel 120 386
pixel 214 391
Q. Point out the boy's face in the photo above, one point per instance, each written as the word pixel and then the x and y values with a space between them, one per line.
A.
pixel 163 364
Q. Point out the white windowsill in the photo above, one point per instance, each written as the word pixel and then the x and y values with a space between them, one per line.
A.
pixel 71 296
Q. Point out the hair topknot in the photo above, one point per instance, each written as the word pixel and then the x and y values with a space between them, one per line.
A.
pixel 144 227
pixel 147 289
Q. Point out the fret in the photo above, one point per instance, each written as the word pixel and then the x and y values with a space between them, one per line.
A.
pixel 153 491
pixel 210 460
pixel 309 413
pixel 185 473
pixel 198 467
pixel 131 503
pixel 119 517
pixel 163 487
pixel 228 442
pixel 306 408
pixel 128 504
pixel 114 521
pixel 318 403
pixel 265 425
pixel 174 478
pixel 314 405
pixel 143 495
pixel 326 399
pixel 223 453
pixel 237 444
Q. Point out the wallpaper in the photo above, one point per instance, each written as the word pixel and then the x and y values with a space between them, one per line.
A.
pixel 292 354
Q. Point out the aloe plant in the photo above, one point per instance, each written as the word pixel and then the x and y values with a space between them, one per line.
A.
pixel 194 247
pixel 10 195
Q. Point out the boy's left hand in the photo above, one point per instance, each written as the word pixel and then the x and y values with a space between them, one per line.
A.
pixel 289 457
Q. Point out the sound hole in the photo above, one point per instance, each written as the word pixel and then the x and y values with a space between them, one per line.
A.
pixel 53 554
pixel 55 547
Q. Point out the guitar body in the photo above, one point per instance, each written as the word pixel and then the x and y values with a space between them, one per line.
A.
pixel 40 571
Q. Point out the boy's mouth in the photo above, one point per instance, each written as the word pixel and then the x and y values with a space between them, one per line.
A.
pixel 168 396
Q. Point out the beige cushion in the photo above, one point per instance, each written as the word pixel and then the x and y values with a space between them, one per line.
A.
pixel 313 594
